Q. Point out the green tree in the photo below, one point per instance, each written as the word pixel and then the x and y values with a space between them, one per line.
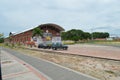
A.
pixel 86 36
pixel 73 34
pixel 106 34
pixel 63 35
pixel 1 38
pixel 100 35
pixel 37 32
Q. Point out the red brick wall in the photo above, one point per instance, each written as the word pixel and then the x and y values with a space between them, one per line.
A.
pixel 26 36
pixel 22 37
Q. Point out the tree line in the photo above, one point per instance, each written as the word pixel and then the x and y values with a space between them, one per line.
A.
pixel 77 34
pixel 73 34
pixel 1 37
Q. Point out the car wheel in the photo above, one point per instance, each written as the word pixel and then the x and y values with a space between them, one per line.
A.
pixel 65 48
pixel 55 48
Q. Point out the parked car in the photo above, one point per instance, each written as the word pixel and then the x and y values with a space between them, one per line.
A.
pixel 56 46
pixel 41 45
pixel 44 46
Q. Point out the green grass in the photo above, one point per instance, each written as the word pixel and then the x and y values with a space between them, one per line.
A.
pixel 68 42
pixel 107 43
pixel 97 42
pixel 1 44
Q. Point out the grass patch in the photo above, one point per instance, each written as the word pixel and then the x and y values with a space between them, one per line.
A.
pixel 1 44
pixel 68 42
pixel 106 43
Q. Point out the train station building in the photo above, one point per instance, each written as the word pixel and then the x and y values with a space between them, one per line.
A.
pixel 51 33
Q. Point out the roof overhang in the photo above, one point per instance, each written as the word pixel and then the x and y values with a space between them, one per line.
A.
pixel 53 25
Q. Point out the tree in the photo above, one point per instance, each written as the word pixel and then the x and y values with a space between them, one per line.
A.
pixel 76 35
pixel 106 34
pixel 86 36
pixel 73 34
pixel 100 35
pixel 63 35
pixel 37 32
pixel 1 38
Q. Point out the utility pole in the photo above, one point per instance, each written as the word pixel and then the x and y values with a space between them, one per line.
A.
pixel 91 33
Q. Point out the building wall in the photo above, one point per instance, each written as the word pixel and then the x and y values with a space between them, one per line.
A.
pixel 52 30
pixel 27 35
pixel 22 37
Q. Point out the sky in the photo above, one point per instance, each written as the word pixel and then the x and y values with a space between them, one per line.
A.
pixel 87 15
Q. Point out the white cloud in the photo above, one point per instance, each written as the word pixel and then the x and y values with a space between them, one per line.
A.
pixel 80 14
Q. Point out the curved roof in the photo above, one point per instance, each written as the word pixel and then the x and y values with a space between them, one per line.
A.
pixel 53 25
pixel 42 25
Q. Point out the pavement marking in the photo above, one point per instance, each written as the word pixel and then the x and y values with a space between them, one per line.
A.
pixel 32 69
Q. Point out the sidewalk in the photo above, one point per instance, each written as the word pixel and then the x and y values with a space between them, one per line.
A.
pixel 15 69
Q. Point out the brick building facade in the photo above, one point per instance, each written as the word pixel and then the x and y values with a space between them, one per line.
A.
pixel 26 36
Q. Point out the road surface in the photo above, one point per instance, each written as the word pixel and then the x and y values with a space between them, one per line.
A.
pixel 54 71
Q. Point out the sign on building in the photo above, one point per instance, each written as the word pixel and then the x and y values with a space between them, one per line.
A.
pixel 56 39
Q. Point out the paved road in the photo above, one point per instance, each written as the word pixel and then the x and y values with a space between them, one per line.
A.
pixel 0 66
pixel 0 73
pixel 14 69
pixel 54 71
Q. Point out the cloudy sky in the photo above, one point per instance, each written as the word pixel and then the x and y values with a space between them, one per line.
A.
pixel 98 15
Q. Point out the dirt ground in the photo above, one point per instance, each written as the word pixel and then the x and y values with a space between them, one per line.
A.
pixel 94 50
pixel 102 69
